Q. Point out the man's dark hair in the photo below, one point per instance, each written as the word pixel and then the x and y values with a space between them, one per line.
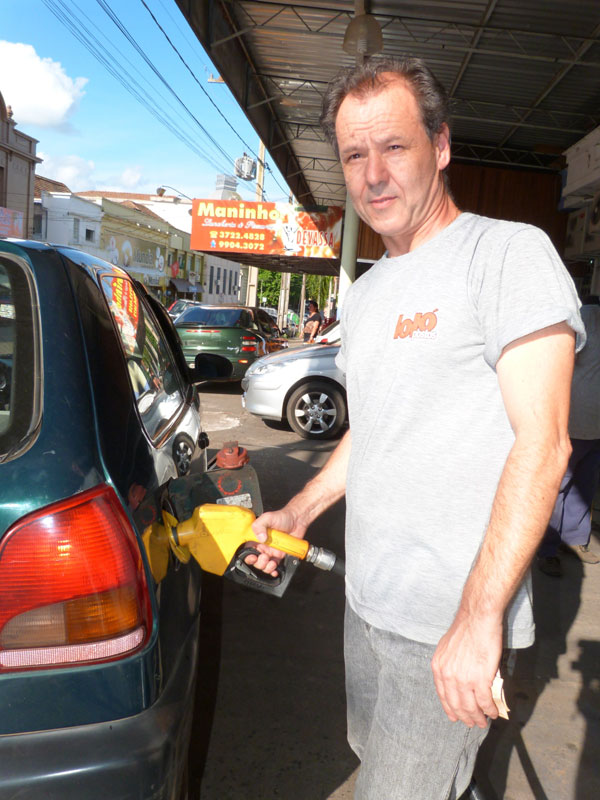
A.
pixel 370 77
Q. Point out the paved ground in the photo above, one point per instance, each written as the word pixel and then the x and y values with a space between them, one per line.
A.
pixel 270 719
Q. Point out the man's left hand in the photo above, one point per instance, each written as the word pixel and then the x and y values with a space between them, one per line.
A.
pixel 464 665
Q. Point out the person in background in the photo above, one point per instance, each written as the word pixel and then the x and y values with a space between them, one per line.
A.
pixel 458 395
pixel 313 323
pixel 571 523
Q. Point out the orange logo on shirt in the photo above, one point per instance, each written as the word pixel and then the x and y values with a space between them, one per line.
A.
pixel 422 325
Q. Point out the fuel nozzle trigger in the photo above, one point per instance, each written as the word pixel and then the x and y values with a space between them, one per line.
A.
pixel 246 575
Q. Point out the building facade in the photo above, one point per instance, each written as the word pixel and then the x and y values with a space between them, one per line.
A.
pixel 17 169
pixel 222 280
pixel 63 218
pixel 190 274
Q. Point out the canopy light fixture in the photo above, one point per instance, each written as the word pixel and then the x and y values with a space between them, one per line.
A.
pixel 363 36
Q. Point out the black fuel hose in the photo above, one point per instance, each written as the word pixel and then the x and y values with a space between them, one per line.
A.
pixel 339 567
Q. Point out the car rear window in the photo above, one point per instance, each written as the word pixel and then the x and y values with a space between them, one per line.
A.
pixel 20 367
pixel 217 317
pixel 155 379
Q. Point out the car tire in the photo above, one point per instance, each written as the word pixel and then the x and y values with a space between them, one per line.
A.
pixel 316 410
pixel 183 452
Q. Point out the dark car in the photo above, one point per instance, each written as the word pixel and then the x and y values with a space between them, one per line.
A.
pixel 239 333
pixel 176 308
pixel 99 417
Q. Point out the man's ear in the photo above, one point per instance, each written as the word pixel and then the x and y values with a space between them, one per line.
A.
pixel 442 146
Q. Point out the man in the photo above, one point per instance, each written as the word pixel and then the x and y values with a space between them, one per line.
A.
pixel 571 521
pixel 458 403
pixel 313 323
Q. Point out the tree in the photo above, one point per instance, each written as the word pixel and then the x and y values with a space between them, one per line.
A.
pixel 269 284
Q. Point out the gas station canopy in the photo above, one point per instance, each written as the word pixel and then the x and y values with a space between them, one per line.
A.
pixel 523 76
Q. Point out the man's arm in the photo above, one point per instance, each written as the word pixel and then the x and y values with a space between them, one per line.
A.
pixel 321 492
pixel 314 329
pixel 535 379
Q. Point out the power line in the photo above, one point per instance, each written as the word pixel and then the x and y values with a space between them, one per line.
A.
pixel 186 65
pixel 92 44
pixel 112 16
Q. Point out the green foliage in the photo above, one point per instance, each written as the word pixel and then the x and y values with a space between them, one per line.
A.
pixel 269 286
pixel 317 288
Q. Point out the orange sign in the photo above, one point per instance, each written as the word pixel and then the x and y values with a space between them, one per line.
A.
pixel 236 226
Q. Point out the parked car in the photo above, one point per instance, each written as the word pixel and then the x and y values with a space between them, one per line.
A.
pixel 99 415
pixel 176 308
pixel 239 333
pixel 303 386
pixel 329 334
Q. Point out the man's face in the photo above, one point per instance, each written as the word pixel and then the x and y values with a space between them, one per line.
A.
pixel 391 167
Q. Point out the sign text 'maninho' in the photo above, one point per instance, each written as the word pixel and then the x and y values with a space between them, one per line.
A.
pixel 239 211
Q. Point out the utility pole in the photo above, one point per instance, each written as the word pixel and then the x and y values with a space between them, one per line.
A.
pixel 251 299
pixel 302 302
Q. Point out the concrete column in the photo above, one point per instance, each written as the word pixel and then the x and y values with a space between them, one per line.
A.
pixel 284 300
pixel 252 287
pixel 349 244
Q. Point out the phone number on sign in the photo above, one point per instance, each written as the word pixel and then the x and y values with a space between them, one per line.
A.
pixel 253 237
pixel 240 245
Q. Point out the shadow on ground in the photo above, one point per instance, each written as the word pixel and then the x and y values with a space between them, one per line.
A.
pixel 270 717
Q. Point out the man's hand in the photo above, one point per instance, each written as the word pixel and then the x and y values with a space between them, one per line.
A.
pixel 285 520
pixel 464 665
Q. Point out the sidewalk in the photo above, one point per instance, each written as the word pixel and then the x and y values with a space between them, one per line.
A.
pixel 550 747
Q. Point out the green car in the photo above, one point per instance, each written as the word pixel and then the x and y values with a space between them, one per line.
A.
pixel 240 333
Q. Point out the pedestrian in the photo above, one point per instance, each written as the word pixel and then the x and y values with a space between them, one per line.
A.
pixel 458 404
pixel 570 525
pixel 313 323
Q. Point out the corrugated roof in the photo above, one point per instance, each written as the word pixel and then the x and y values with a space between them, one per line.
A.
pixel 524 75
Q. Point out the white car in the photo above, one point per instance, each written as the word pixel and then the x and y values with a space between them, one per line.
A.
pixel 330 334
pixel 303 386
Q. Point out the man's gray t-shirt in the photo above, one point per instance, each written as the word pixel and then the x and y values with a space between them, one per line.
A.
pixel 430 434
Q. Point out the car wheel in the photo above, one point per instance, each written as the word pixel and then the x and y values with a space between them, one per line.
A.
pixel 316 410
pixel 183 452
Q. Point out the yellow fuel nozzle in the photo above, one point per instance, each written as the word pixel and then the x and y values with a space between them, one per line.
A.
pixel 212 535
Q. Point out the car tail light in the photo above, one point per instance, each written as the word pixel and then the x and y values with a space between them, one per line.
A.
pixel 72 585
pixel 249 344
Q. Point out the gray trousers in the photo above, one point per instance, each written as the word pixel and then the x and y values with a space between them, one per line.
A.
pixel 409 749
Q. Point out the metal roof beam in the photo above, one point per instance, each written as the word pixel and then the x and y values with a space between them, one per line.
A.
pixel 582 50
pixel 469 33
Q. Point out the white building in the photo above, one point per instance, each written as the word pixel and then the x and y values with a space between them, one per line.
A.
pixel 222 280
pixel 219 279
pixel 63 218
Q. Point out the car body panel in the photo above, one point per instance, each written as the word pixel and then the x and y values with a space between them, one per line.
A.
pixel 92 434
pixel 330 334
pixel 271 380
pixel 127 757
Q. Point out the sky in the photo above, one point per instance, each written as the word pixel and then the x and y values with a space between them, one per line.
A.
pixel 93 133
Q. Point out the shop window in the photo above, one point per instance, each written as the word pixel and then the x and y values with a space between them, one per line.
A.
pixel 212 275
pixel 90 235
pixel 76 229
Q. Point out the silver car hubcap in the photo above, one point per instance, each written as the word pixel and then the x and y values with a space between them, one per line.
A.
pixel 315 412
